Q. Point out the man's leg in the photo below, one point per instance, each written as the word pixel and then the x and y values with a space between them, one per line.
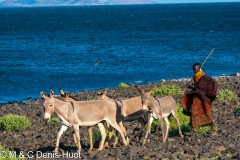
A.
pixel 212 128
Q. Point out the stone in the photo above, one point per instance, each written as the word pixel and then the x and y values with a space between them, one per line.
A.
pixel 26 133
pixel 186 156
pixel 220 148
pixel 136 149
pixel 214 135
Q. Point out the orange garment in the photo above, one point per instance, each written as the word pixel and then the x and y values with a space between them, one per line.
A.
pixel 198 110
pixel 198 75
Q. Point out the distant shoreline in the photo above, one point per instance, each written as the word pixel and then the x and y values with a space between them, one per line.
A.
pixel 180 80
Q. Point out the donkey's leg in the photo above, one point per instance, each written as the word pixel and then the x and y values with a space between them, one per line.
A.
pixel 123 128
pixel 167 130
pixel 142 122
pixel 74 138
pixel 89 129
pixel 103 134
pixel 116 137
pixel 212 128
pixel 174 113
pixel 124 133
pixel 63 129
pixel 148 129
pixel 110 133
pixel 161 125
pixel 116 140
pixel 114 124
pixel 76 129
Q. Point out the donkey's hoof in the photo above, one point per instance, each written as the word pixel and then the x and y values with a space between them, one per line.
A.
pixel 128 141
pixel 105 144
pixel 101 148
pixel 181 135
pixel 144 141
pixel 164 141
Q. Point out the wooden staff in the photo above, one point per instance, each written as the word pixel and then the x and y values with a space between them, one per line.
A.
pixel 201 67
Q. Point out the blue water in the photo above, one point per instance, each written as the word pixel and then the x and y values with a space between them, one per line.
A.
pixel 43 48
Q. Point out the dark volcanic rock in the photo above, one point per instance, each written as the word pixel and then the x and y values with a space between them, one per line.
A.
pixel 39 137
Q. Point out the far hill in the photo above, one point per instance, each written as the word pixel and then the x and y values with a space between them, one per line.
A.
pixel 118 2
pixel 35 3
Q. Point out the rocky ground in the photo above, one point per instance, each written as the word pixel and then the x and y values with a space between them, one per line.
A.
pixel 224 144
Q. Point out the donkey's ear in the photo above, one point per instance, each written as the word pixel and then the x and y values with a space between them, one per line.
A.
pixel 104 93
pixel 67 94
pixel 51 93
pixel 150 90
pixel 43 95
pixel 139 89
pixel 99 93
pixel 61 92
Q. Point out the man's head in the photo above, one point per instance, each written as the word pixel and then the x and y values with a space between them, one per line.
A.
pixel 196 67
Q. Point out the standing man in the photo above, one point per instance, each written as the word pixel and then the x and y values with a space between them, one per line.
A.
pixel 198 103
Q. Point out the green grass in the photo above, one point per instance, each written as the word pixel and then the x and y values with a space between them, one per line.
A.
pixel 96 136
pixel 173 131
pixel 184 123
pixel 238 107
pixel 8 155
pixel 14 122
pixel 55 120
pixel 225 94
pixel 123 85
pixel 165 89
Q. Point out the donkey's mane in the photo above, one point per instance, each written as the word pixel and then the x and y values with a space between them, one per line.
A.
pixel 60 98
pixel 74 98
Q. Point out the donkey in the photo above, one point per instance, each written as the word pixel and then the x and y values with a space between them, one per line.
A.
pixel 65 96
pixel 131 109
pixel 81 113
pixel 159 108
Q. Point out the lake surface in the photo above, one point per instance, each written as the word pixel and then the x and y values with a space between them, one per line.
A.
pixel 96 47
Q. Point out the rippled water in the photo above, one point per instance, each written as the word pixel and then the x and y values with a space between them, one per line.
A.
pixel 95 47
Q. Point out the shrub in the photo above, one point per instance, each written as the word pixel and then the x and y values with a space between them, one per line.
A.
pixel 123 85
pixel 96 136
pixel 165 89
pixel 225 94
pixel 55 120
pixel 8 155
pixel 184 124
pixel 238 107
pixel 14 122
pixel 173 131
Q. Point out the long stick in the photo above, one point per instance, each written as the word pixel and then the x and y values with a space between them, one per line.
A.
pixel 207 58
pixel 201 67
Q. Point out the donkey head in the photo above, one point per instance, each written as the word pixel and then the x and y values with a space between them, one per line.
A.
pixel 102 95
pixel 145 98
pixel 48 105
pixel 66 96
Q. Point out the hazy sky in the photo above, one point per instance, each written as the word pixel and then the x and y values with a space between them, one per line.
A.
pixel 184 1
